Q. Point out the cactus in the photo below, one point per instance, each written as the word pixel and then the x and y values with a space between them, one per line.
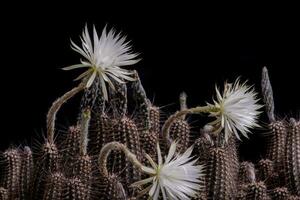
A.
pixel 257 191
pixel 76 190
pixel 292 157
pixel 66 167
pixel 125 132
pixel 26 172
pixel 280 193
pixel 219 175
pixel 12 172
pixel 246 172
pixel 180 128
pixel 3 193
pixel 55 186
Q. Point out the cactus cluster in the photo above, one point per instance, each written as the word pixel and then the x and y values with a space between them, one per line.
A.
pixel 67 164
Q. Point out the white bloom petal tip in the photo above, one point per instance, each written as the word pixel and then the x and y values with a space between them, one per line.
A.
pixel 177 177
pixel 103 57
pixel 238 110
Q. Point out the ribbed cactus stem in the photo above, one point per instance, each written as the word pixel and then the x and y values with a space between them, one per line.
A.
pixel 3 193
pixel 280 193
pixel 143 103
pixel 267 94
pixel 26 172
pixel 257 190
pixel 12 163
pixel 55 186
pixel 266 173
pixel 276 146
pixel 292 157
pixel 108 148
pixel 76 190
pixel 246 173
pixel 168 123
pixel 119 100
pixel 84 131
pixel 51 116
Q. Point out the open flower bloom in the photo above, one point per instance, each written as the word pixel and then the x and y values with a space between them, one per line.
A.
pixel 237 110
pixel 176 178
pixel 103 57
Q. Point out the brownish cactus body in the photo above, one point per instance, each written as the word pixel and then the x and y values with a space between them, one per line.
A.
pixel 149 141
pixel 125 132
pixel 99 132
pixel 257 191
pixel 83 169
pixel 276 148
pixel 47 163
pixel 71 144
pixel 280 193
pixel 267 173
pixel 26 173
pixel 54 188
pixel 3 194
pixel 219 178
pixel 292 158
pixel 154 115
pixel 246 173
pixel 76 190
pixel 12 171
pixel 202 147
pixel 180 131
pixel 110 188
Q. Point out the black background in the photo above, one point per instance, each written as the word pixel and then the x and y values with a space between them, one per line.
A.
pixel 188 48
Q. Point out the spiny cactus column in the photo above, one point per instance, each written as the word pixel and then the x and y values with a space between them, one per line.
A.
pixel 278 132
pixel 125 132
pixel 110 187
pixel 218 175
pixel 280 193
pixel 180 129
pixel 252 189
pixel 246 172
pixel 46 163
pixel 292 157
pixel 154 117
pixel 147 118
pixel 257 191
pixel 3 193
pixel 55 187
pixel 267 173
pixel 100 131
pixel 26 173
pixel 76 190
pixel 12 171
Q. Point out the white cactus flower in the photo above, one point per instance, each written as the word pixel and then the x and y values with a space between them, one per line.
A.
pixel 103 57
pixel 176 178
pixel 237 111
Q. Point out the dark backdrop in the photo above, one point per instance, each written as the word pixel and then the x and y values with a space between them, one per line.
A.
pixel 183 49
